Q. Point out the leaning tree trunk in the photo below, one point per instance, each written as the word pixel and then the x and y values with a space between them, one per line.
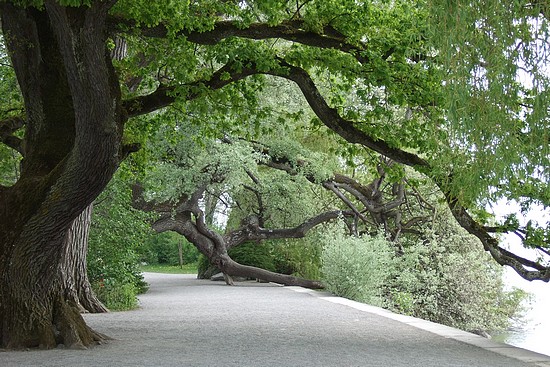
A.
pixel 214 247
pixel 186 218
pixel 72 147
pixel 231 268
pixel 74 267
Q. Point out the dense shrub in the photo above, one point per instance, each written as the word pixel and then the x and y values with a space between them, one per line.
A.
pixel 449 279
pixel 204 269
pixel 117 297
pixel 299 257
pixel 253 254
pixel 355 267
pixel 115 233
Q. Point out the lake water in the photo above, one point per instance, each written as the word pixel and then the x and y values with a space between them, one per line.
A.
pixel 534 334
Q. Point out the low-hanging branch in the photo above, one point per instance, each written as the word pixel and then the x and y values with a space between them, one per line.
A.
pixel 186 218
pixel 253 232
pixel 348 130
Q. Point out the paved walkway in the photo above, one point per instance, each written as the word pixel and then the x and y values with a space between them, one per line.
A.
pixel 188 322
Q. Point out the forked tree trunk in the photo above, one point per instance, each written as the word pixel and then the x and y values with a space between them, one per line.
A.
pixel 72 147
pixel 74 265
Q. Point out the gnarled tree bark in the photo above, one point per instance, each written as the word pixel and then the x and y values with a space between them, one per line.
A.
pixel 71 149
pixel 74 267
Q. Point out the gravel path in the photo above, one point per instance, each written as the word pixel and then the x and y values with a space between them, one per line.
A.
pixel 183 321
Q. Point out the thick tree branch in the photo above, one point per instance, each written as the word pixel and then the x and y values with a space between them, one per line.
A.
pixel 166 95
pixel 233 268
pixel 291 30
pixel 253 232
pixel 369 191
pixel 332 187
pixel 216 238
pixel 345 128
pixel 529 270
pixel 365 200
pixel 186 203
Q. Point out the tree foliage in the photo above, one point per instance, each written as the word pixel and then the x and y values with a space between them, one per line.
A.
pixel 356 267
pixel 449 280
pixel 116 234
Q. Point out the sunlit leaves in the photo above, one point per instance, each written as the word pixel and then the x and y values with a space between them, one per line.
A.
pixel 151 13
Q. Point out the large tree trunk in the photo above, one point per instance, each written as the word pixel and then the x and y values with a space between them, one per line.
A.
pixel 74 267
pixel 72 147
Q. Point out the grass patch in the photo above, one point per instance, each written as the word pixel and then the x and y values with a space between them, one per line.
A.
pixel 170 269
pixel 117 297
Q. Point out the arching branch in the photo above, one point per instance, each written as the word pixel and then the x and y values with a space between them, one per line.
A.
pixel 345 128
pixel 527 269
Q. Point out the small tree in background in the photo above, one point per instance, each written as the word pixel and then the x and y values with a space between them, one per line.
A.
pixel 162 248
